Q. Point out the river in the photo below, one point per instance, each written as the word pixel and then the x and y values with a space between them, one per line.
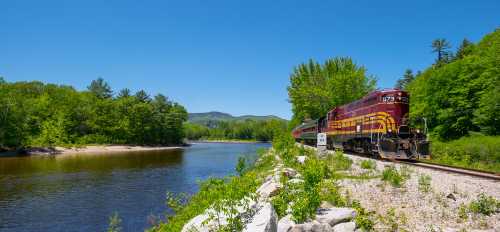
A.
pixel 81 192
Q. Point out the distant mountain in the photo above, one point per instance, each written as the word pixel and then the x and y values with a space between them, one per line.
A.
pixel 214 116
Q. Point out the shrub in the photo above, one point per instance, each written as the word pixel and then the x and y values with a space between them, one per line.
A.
pixel 484 204
pixel 305 205
pixel 307 198
pixel 240 166
pixel 314 170
pixel 391 175
pixel 284 146
pixel 363 217
pixel 368 164
pixel 280 202
pixel 424 183
pixel 339 161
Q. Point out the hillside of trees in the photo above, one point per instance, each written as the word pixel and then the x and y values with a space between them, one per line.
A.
pixel 460 92
pixel 214 117
pixel 38 114
pixel 459 95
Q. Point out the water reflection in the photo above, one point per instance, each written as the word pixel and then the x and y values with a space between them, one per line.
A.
pixel 78 193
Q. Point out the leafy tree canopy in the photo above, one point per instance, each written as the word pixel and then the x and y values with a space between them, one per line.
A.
pixel 462 95
pixel 316 88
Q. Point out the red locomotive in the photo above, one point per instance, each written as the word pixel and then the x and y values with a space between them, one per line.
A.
pixel 377 124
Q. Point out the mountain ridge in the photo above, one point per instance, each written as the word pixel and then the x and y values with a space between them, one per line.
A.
pixel 221 116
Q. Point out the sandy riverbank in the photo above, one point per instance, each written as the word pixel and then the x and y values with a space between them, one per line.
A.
pixel 95 149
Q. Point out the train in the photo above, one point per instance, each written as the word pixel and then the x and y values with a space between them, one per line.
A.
pixel 378 124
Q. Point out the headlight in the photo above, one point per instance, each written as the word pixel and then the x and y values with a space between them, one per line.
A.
pixel 390 130
pixel 418 131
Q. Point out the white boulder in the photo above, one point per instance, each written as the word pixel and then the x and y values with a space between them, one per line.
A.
pixel 334 216
pixel 285 223
pixel 345 227
pixel 264 220
pixel 201 223
pixel 320 227
pixel 269 188
pixel 301 159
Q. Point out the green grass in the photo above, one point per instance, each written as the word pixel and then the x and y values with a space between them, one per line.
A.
pixel 424 183
pixel 391 175
pixel 475 151
pixel 338 161
pixel 368 164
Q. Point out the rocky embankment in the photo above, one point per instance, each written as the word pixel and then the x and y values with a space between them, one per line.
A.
pixel 259 215
pixel 384 196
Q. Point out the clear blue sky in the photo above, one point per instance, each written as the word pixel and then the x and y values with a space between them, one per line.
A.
pixel 228 56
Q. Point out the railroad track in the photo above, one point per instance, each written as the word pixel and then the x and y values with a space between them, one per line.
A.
pixel 458 170
pixel 440 167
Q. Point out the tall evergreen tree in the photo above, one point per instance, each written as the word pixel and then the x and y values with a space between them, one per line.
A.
pixel 407 78
pixel 142 96
pixel 441 46
pixel 124 93
pixel 100 88
pixel 464 49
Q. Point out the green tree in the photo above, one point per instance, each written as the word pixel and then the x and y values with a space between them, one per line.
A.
pixel 124 93
pixel 407 78
pixel 100 88
pixel 465 48
pixel 37 114
pixel 316 88
pixel 461 96
pixel 441 47
pixel 142 96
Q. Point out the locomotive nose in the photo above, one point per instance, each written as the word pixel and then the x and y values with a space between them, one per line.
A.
pixel 404 131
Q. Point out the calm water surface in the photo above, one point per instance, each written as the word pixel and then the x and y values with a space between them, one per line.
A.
pixel 79 193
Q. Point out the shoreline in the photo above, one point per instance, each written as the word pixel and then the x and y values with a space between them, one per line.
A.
pixel 86 150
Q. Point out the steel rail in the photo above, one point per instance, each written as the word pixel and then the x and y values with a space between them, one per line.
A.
pixel 452 169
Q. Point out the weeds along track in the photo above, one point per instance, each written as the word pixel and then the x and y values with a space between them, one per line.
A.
pixel 439 167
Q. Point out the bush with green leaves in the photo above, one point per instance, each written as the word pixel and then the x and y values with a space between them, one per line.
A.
pixel 241 165
pixel 368 164
pixel 484 204
pixel 391 175
pixel 284 146
pixel 363 217
pixel 308 200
